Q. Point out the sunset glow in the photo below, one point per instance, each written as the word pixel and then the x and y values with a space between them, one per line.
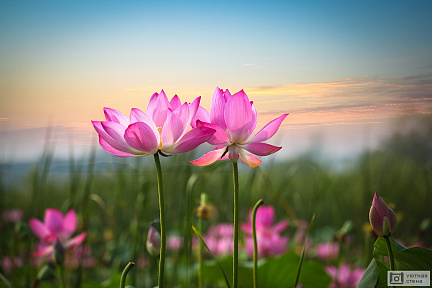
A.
pixel 326 65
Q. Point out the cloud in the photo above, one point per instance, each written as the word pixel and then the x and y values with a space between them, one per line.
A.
pixel 254 66
pixel 361 100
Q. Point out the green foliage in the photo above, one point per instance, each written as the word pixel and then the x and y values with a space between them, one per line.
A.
pixel 272 272
pixel 414 259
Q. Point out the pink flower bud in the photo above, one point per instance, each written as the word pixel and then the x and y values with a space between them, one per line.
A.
pixel 153 242
pixel 382 218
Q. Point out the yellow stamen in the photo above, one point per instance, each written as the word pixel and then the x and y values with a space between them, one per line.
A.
pixel 160 136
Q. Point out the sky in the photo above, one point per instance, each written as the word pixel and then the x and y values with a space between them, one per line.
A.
pixel 348 72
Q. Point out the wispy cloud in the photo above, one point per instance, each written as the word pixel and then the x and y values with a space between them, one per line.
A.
pixel 254 66
pixel 347 101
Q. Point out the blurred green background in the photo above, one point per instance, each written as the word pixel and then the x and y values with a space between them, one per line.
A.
pixel 116 199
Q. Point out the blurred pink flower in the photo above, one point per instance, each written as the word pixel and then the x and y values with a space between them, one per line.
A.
pixel 10 262
pixel 234 118
pixel 327 251
pixel 79 256
pixel 12 216
pixel 344 277
pixel 55 226
pixel 269 240
pixel 174 242
pixel 164 127
pixel 219 239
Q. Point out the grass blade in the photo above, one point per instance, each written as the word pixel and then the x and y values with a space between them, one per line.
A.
pixel 304 249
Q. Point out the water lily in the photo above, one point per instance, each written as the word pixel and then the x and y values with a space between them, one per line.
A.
pixel 55 228
pixel 382 218
pixel 164 127
pixel 234 118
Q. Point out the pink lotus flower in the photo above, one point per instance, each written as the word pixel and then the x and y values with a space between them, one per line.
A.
pixel 234 118
pixel 382 218
pixel 326 251
pixel 79 256
pixel 219 239
pixel 269 240
pixel 164 127
pixel 344 277
pixel 8 263
pixel 55 226
pixel 12 216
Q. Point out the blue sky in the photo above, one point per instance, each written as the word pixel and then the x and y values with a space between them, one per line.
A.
pixel 61 62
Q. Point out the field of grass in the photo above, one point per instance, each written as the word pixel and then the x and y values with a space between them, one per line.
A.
pixel 115 205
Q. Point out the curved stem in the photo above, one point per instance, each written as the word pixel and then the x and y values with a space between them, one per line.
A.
pixel 236 225
pixel 124 274
pixel 162 221
pixel 255 255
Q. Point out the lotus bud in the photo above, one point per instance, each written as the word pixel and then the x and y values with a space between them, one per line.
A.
pixel 153 242
pixel 381 217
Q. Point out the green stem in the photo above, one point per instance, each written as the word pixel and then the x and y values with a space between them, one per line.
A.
pixel 255 255
pixel 390 252
pixel 124 274
pixel 236 225
pixel 200 255
pixel 162 221
pixel 61 275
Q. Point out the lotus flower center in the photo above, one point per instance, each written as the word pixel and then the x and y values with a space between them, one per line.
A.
pixel 160 136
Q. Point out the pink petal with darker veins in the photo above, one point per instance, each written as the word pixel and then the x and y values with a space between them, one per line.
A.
pixel 112 115
pixel 176 124
pixel 261 149
pixel 192 139
pixel 210 157
pixel 175 102
pixel 238 117
pixel 249 159
pixel 217 107
pixel 201 115
pixel 219 137
pixel 140 136
pixel 268 130
pixel 110 149
pixel 158 108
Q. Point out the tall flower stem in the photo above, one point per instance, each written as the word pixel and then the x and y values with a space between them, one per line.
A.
pixel 255 255
pixel 60 270
pixel 236 224
pixel 390 252
pixel 162 221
